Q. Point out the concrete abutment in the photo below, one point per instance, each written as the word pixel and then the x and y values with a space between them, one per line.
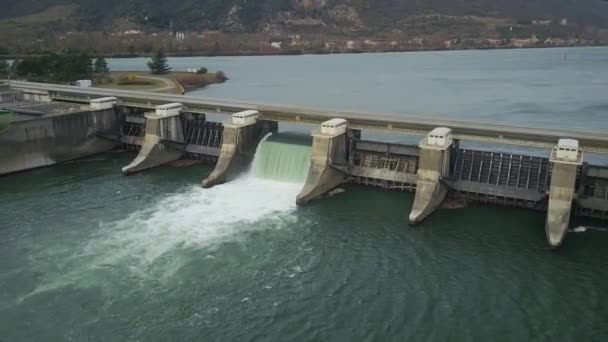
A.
pixel 35 139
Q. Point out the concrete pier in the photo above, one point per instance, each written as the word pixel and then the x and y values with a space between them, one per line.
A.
pixel 566 159
pixel 329 152
pixel 162 125
pixel 239 141
pixel 434 163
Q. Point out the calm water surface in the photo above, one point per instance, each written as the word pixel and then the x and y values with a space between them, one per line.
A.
pixel 89 255
pixel 559 88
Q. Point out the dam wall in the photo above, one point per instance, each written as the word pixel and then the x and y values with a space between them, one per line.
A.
pixel 44 133
pixel 33 141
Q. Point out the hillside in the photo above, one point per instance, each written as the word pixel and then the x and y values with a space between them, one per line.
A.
pixel 56 24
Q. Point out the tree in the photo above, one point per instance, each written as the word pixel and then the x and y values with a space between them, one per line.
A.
pixel 4 67
pixel 101 66
pixel 159 65
pixel 201 71
pixel 55 68
pixel 101 70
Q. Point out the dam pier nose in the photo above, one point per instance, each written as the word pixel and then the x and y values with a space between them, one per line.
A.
pixel 164 124
pixel 434 164
pixel 328 161
pixel 566 158
pixel 239 142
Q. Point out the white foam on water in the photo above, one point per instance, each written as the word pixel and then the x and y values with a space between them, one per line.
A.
pixel 194 218
pixel 201 217
pixel 582 229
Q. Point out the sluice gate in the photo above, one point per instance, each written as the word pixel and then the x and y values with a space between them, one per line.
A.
pixel 132 131
pixel 499 178
pixel 592 197
pixel 386 166
pixel 203 138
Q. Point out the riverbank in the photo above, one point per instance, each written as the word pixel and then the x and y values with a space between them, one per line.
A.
pixel 172 83
pixel 323 51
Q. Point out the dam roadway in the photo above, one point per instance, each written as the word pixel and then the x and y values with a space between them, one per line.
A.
pixel 462 130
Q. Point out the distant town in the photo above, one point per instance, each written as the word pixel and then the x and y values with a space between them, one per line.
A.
pixel 134 42
pixel 312 27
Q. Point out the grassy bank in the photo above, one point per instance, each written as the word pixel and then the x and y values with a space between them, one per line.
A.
pixel 173 83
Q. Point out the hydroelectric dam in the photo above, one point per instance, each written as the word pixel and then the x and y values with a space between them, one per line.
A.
pixel 56 123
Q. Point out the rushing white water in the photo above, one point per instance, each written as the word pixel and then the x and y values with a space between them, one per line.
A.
pixel 149 241
pixel 146 242
pixel 203 217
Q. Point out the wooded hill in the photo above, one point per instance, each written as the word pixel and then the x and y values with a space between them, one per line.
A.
pixel 252 14
pixel 369 18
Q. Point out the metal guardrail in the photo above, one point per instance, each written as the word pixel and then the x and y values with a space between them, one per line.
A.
pixel 502 134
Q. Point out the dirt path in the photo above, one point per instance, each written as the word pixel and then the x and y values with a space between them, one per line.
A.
pixel 169 84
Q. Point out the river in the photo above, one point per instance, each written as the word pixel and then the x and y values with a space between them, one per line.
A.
pixel 87 254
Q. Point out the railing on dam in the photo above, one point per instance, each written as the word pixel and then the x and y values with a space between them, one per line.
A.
pixel 545 138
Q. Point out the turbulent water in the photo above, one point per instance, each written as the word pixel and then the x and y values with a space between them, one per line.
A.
pixel 87 254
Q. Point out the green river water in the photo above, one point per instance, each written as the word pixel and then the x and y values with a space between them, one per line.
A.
pixel 87 254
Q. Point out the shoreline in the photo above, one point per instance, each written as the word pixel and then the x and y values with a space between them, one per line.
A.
pixel 308 53
pixel 174 82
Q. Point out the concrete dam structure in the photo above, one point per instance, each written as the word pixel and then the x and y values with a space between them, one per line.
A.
pixel 63 123
pixel 46 133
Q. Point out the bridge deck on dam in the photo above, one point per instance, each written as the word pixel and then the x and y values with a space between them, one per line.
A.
pixel 537 137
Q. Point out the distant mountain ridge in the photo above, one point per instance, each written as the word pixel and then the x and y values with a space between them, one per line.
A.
pixel 253 14
pixel 411 19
